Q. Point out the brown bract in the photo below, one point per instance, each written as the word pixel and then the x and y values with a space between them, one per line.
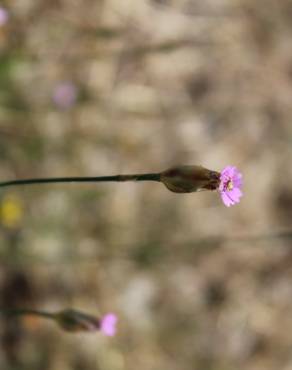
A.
pixel 75 321
pixel 189 179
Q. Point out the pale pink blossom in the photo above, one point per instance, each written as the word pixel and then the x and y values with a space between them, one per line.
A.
pixel 230 185
pixel 108 324
pixel 65 95
pixel 4 16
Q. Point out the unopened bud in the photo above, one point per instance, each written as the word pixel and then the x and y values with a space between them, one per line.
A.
pixel 74 321
pixel 189 179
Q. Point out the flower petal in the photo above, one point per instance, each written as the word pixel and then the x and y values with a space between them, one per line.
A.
pixel 226 199
pixel 108 324
pixel 235 194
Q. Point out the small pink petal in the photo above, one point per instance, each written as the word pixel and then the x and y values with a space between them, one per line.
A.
pixel 235 194
pixel 226 199
pixel 108 324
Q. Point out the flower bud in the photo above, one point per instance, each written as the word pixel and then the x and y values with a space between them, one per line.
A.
pixel 188 179
pixel 74 321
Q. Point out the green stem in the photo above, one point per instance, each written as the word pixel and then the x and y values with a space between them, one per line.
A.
pixel 119 178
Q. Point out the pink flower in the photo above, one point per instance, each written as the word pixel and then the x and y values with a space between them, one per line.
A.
pixel 108 324
pixel 230 185
pixel 4 16
pixel 65 95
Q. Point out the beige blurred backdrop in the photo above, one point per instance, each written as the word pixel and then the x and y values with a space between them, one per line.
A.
pixel 92 87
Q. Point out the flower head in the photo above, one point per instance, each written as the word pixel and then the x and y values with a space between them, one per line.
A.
pixel 11 212
pixel 230 185
pixel 65 95
pixel 108 324
pixel 4 16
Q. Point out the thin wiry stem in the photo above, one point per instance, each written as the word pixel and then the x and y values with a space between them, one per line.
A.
pixel 116 178
pixel 25 311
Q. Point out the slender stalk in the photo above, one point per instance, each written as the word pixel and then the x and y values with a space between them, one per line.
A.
pixel 24 311
pixel 116 178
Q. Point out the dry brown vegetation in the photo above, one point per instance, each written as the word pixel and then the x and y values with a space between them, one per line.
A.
pixel 196 285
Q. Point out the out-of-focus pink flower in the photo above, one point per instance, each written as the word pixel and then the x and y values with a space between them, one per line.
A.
pixel 65 95
pixel 230 185
pixel 108 324
pixel 4 16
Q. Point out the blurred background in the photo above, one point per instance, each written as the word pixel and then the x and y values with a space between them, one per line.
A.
pixel 101 87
